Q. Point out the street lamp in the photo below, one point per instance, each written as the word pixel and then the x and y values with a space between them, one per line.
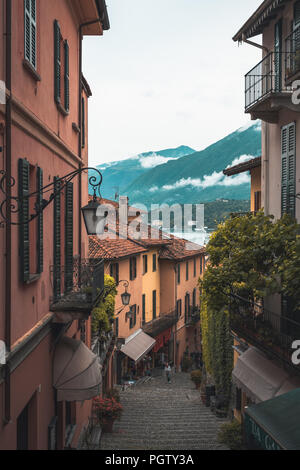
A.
pixel 126 295
pixel 13 205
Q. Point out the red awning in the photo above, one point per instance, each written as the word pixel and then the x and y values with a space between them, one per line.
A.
pixel 162 339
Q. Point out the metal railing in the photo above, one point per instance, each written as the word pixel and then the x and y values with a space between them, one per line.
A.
pixel 192 316
pixel 268 76
pixel 292 57
pixel 82 281
pixel 269 331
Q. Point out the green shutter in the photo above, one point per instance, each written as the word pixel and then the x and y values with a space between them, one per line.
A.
pixel 67 76
pixel 57 63
pixel 23 217
pixel 277 55
pixel 69 237
pixel 57 242
pixel 40 223
pixel 288 169
pixel 83 122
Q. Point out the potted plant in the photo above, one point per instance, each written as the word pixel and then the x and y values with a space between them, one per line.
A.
pixel 107 410
pixel 196 377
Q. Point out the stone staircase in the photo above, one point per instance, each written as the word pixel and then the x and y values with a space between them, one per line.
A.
pixel 162 416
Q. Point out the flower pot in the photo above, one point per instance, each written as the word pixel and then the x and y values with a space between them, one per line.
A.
pixel 107 425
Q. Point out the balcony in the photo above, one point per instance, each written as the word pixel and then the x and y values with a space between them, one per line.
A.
pixel 193 316
pixel 163 322
pixel 76 289
pixel 270 332
pixel 292 64
pixel 266 88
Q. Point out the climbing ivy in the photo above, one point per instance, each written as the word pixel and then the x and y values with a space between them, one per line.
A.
pixel 252 256
pixel 103 313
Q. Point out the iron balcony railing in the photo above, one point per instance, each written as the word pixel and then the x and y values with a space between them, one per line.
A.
pixel 269 331
pixel 292 56
pixel 76 287
pixel 268 76
pixel 192 316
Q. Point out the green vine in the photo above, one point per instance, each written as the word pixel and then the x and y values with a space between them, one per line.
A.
pixel 103 313
pixel 252 256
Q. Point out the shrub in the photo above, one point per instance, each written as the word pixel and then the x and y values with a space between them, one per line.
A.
pixel 196 376
pixel 230 434
pixel 113 393
pixel 107 408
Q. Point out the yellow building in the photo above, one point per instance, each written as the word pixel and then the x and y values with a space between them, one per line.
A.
pixel 150 285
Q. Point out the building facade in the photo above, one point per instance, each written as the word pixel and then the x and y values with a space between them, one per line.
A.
pixel 263 368
pixel 43 138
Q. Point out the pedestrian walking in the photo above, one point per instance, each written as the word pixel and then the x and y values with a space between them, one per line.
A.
pixel 168 372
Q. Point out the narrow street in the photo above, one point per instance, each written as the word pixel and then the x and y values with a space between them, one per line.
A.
pixel 162 416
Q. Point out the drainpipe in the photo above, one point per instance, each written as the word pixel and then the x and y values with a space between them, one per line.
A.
pixel 7 410
pixel 81 26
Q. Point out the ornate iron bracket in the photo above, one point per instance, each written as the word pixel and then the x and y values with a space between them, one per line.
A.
pixel 12 205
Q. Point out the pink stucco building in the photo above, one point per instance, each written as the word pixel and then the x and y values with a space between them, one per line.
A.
pixel 43 136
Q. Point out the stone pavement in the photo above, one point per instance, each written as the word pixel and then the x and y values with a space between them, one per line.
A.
pixel 162 416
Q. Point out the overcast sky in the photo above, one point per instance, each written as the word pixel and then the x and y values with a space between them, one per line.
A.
pixel 166 74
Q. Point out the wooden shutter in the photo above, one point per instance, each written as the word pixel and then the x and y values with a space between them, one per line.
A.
pixel 83 122
pixel 288 169
pixel 23 217
pixel 57 63
pixel 187 271
pixel 154 304
pixel 69 237
pixel 117 273
pixel 40 223
pixel 277 55
pixel 30 31
pixel 296 14
pixel 117 327
pixel 67 76
pixel 144 309
pixel 57 242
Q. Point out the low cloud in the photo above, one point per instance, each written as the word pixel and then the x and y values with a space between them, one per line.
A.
pixel 154 160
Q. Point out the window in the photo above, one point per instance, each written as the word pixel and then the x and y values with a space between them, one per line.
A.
pixel 30 234
pixel 187 271
pixel 154 304
pixel 132 316
pixel 23 430
pixel 195 266
pixel 117 327
pixel 114 271
pixel 144 309
pixel 187 307
pixel 257 201
pixel 145 264
pixel 154 263
pixel 194 298
pixel 30 32
pixel 288 169
pixel 61 70
pixel 179 308
pixel 201 265
pixel 178 274
pixel 132 268
pixel 238 404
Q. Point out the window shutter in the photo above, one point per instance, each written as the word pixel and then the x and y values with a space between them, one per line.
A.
pixel 40 223
pixel 296 14
pixel 117 327
pixel 83 122
pixel 117 273
pixel 23 217
pixel 144 309
pixel 67 76
pixel 288 169
pixel 30 31
pixel 277 55
pixel 57 242
pixel 69 237
pixel 57 63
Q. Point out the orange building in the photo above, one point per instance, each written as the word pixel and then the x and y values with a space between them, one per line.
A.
pixel 43 137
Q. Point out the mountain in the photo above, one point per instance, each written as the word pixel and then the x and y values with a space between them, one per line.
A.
pixel 198 177
pixel 118 175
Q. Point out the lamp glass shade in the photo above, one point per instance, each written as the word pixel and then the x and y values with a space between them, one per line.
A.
pixel 94 223
pixel 125 298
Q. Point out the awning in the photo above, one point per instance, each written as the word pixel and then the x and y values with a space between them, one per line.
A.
pixel 274 424
pixel 76 371
pixel 260 378
pixel 138 345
